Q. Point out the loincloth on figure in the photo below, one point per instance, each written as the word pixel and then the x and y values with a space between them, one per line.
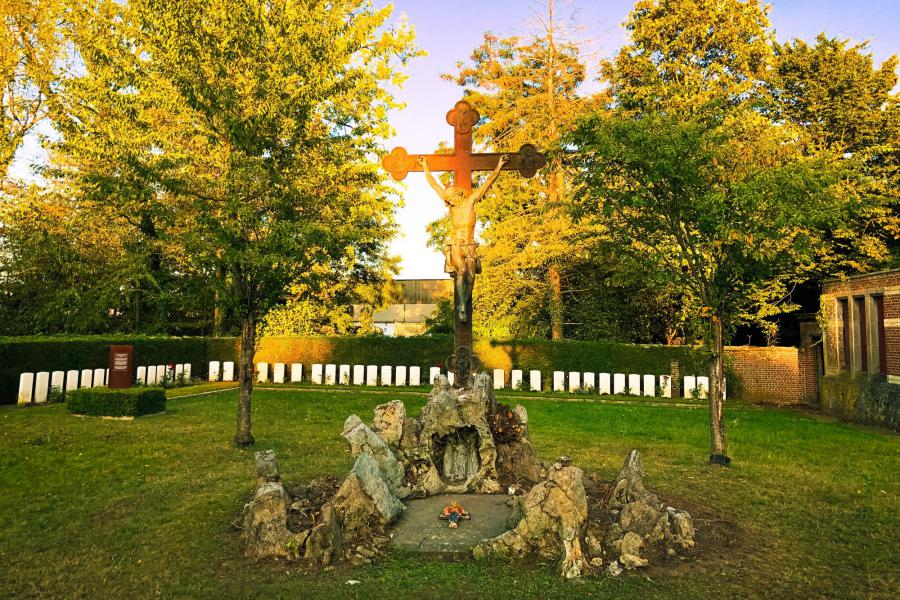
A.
pixel 464 251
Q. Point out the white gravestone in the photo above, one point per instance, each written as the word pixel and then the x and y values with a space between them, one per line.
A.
pixel 99 377
pixel 603 385
pixel 703 387
pixel 344 375
pixel 41 387
pixel 278 373
pixel 665 386
pixel 415 376
pixel 26 386
pixel 649 385
pixel 330 374
pixel 213 371
pixel 71 380
pixel 559 381
pixel 179 370
pixel 371 375
pixel 385 375
pixel 618 383
pixel 634 384
pixel 574 381
pixel 515 379
pixel 262 372
pixel 187 371
pixel 316 374
pixel 400 375
pixel 151 376
pixel 87 377
pixel 142 375
pixel 589 381
pixel 499 379
pixel 359 374
pixel 690 385
pixel 296 372
pixel 160 374
pixel 433 372
pixel 534 381
pixel 228 371
pixel 58 380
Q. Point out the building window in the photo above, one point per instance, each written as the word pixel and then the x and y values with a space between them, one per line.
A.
pixel 882 344
pixel 844 313
pixel 861 333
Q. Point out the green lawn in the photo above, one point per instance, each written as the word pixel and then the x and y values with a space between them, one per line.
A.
pixel 113 509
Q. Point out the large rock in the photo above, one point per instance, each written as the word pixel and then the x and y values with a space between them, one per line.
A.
pixel 324 542
pixel 371 478
pixel 264 524
pixel 641 522
pixel 355 507
pixel 551 520
pixel 264 519
pixel 266 467
pixel 518 463
pixel 365 441
pixel 389 422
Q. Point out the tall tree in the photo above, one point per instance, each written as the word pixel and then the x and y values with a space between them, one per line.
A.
pixel 691 56
pixel 689 65
pixel 248 130
pixel 30 45
pixel 528 90
pixel 846 105
pixel 716 199
pixel 731 213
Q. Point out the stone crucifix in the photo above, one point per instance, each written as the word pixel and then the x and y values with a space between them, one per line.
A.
pixel 461 258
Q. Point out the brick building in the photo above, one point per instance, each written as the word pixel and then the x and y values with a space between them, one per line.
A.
pixel 862 325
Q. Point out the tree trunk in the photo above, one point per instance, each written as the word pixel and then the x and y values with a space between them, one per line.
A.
pixel 218 313
pixel 244 437
pixel 556 304
pixel 719 453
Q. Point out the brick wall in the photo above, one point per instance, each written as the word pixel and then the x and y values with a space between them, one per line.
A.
pixel 885 284
pixel 774 373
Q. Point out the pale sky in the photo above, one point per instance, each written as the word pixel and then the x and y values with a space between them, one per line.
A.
pixel 448 30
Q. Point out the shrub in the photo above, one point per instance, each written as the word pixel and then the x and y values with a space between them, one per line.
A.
pixel 866 399
pixel 106 402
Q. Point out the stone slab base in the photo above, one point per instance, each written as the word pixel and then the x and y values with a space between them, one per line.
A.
pixel 420 530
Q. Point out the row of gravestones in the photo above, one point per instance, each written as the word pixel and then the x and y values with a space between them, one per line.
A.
pixel 602 383
pixel 328 374
pixel 34 388
pixel 633 384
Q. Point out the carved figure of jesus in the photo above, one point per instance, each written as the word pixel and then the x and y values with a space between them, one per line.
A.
pixel 460 254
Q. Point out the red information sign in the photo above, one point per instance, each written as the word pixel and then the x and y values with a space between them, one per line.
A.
pixel 120 366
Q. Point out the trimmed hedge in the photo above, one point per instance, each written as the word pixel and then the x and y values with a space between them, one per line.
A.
pixel 23 354
pixel 106 402
pixel 865 399
pixel 427 351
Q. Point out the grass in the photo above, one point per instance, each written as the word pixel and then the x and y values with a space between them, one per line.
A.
pixel 97 508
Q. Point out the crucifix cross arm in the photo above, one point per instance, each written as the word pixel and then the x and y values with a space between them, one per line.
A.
pixel 462 161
